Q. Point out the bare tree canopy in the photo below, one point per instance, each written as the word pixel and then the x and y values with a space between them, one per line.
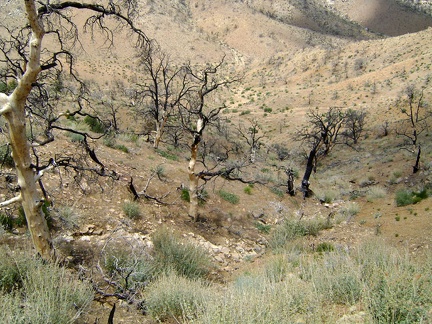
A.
pixel 36 73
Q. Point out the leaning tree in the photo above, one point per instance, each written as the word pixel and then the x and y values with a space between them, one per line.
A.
pixel 320 135
pixel 417 113
pixel 35 69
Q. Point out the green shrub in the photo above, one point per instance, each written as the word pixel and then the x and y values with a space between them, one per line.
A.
pixel 406 197
pixel 95 124
pixel 131 209
pixel 170 253
pixel 6 222
pixel 228 196
pixel 248 190
pixel 167 155
pixel 263 228
pixel 184 195
pixel 324 247
pixel 76 138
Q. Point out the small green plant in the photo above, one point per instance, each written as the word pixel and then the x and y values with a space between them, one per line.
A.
pixel 248 190
pixel 167 155
pixel 263 228
pixel 397 218
pixel 95 124
pixel 228 196
pixel 277 191
pixel 131 209
pixel 184 195
pixel 324 247
pixel 6 156
pixel 76 138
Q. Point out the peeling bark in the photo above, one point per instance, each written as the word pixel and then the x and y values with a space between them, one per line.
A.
pixel 13 110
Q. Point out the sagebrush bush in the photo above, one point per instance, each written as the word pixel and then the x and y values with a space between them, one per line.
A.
pixel 131 209
pixel 376 192
pixel 291 229
pixel 396 289
pixel 35 292
pixel 173 297
pixel 171 253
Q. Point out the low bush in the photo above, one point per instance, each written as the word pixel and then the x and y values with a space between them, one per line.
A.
pixel 131 209
pixel 292 229
pixel 406 197
pixel 32 291
pixel 173 297
pixel 95 124
pixel 172 254
pixel 228 196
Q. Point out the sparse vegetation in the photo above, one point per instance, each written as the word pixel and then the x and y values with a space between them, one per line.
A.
pixel 228 196
pixel 131 209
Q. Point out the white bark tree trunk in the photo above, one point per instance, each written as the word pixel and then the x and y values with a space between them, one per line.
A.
pixel 193 178
pixel 13 109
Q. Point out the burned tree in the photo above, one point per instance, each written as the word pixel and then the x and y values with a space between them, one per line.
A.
pixel 417 112
pixel 162 89
pixel 36 71
pixel 197 114
pixel 253 136
pixel 320 134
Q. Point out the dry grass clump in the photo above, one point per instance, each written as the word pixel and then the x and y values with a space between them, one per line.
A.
pixel 34 292
pixel 294 286
pixel 376 192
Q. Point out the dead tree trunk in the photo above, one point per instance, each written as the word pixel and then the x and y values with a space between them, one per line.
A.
pixel 416 166
pixel 290 182
pixel 13 109
pixel 309 168
pixel 193 177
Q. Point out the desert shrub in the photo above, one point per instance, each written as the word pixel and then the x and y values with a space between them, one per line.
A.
pixel 131 209
pixel 35 292
pixel 228 196
pixel 349 210
pixel 291 229
pixel 263 298
pixel 324 247
pixel 396 289
pixel 263 228
pixel 375 192
pixel 170 253
pixel 6 222
pixel 175 297
pixel 76 138
pixel 327 195
pixel 277 191
pixel 406 197
pixel 95 124
pixel 336 277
